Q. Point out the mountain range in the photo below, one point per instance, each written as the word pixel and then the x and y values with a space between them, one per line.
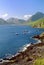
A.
pixel 37 18
pixel 15 21
pixel 11 21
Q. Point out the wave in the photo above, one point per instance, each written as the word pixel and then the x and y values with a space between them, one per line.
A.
pixel 22 49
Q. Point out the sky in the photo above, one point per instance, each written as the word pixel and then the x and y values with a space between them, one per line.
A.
pixel 20 8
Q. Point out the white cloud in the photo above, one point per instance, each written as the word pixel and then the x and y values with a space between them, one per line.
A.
pixel 27 17
pixel 4 16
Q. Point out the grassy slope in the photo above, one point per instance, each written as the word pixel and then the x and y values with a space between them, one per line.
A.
pixel 38 23
pixel 39 62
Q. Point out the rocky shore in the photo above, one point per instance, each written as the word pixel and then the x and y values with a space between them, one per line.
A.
pixel 27 57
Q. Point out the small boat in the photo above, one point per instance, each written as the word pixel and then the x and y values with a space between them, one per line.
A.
pixel 25 31
pixel 17 34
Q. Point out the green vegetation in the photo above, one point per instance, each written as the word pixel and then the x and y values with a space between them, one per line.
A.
pixel 37 20
pixel 39 62
pixel 39 23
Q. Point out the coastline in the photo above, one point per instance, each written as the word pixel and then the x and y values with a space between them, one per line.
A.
pixel 21 54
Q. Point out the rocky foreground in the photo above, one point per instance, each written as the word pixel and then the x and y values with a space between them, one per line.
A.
pixel 27 57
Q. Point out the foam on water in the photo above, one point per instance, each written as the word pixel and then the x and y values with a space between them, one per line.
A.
pixel 24 47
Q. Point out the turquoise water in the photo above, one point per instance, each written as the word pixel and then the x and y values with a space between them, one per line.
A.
pixel 10 43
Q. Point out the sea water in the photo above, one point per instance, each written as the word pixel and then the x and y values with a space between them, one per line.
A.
pixel 13 37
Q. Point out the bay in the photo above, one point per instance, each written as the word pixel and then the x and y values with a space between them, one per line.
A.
pixel 13 37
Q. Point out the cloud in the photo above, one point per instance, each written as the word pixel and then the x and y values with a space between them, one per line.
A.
pixel 27 17
pixel 4 16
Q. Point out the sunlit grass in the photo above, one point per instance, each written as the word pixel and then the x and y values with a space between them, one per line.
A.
pixel 38 23
pixel 39 62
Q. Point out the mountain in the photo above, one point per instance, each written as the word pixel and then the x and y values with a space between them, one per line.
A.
pixel 15 21
pixel 12 21
pixel 2 21
pixel 36 16
pixel 37 20
pixel 38 23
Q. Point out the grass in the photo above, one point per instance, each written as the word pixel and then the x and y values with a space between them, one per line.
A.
pixel 38 23
pixel 39 62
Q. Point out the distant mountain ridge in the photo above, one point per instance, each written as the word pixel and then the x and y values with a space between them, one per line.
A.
pixel 13 20
pixel 2 21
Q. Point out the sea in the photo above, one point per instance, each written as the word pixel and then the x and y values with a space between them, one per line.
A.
pixel 14 37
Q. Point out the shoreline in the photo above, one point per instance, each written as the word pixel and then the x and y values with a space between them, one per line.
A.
pixel 23 50
pixel 21 54
pixel 16 58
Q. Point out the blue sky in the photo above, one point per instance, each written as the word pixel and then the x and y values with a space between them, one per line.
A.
pixel 20 8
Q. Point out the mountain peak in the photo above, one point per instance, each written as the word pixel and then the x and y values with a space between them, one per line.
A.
pixel 39 13
pixel 37 16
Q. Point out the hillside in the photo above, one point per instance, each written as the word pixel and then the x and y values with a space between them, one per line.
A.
pixel 37 20
pixel 37 16
pixel 39 23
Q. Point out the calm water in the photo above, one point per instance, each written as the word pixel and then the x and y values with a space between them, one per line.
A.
pixel 10 42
